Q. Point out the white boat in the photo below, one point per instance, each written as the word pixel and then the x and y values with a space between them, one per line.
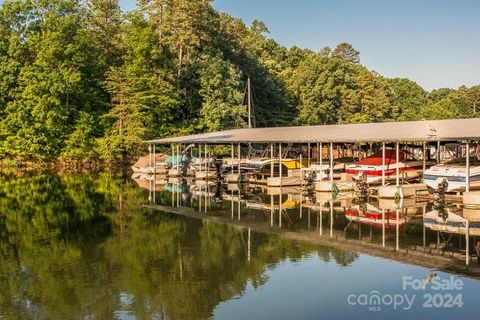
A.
pixel 452 220
pixel 454 173
pixel 322 172
pixel 409 167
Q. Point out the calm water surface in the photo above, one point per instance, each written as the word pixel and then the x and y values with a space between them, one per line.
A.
pixel 104 247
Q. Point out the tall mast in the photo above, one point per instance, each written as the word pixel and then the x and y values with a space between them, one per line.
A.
pixel 249 102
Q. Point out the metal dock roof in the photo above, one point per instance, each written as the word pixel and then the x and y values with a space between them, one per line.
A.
pixel 424 130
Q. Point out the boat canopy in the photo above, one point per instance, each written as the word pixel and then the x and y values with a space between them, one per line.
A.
pixel 411 131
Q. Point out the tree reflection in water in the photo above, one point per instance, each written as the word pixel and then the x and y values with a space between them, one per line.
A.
pixel 83 246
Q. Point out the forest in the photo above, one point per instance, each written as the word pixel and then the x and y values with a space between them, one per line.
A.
pixel 82 79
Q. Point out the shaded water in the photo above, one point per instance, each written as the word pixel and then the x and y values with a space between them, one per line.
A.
pixel 102 247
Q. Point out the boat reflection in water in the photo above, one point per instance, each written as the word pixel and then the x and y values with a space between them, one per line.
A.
pixel 408 230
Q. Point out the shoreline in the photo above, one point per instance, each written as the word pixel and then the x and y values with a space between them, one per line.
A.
pixel 11 165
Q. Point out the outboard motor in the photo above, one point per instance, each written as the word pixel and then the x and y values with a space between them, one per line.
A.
pixel 186 194
pixel 440 203
pixel 217 162
pixel 310 184
pixel 362 187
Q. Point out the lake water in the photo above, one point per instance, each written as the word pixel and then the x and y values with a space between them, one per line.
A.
pixel 104 247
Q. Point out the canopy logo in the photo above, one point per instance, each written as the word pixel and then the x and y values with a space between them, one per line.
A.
pixel 445 294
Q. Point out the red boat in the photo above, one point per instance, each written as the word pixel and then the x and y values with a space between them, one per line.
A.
pixel 373 216
pixel 409 166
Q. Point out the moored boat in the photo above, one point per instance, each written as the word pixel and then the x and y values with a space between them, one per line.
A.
pixel 371 215
pixel 455 174
pixel 410 167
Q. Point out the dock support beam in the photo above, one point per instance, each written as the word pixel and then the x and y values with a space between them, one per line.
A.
pixel 318 152
pixel 239 158
pixel 467 173
pixel 383 163
pixel 272 147
pixel 200 157
pixel 308 161
pixel 206 165
pixel 467 242
pixel 397 159
pixel 331 163
pixel 154 163
pixel 397 231
pixel 424 152
pixel 233 155
pixel 438 152
pixel 383 227
pixel 280 169
pixel 176 160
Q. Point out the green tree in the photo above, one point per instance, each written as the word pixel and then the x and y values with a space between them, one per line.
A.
pixel 346 52
pixel 442 109
pixel 80 143
pixel 222 92
pixel 59 82
pixel 407 98
pixel 369 102
pixel 141 99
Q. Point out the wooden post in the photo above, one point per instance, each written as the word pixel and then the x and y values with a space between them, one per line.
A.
pixel 424 210
pixel 154 164
pixel 207 164
pixel 301 200
pixel 438 152
pixel 331 218
pixel 239 158
pixel 397 158
pixel 424 166
pixel 301 172
pixel 233 155
pixel 318 152
pixel 308 161
pixel 320 231
pixel 272 164
pixel 321 161
pixel 173 153
pixel 178 156
pixel 331 163
pixel 383 227
pixel 397 235
pixel 280 169
pixel 280 209
pixel 232 204
pixel 239 204
pixel 272 210
pixel 249 243
pixel 467 242
pixel 467 171
pixel 383 163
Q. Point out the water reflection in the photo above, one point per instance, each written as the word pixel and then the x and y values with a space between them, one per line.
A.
pixel 84 246
pixel 434 235
pixel 90 246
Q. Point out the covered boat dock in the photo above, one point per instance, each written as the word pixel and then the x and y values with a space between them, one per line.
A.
pixel 423 133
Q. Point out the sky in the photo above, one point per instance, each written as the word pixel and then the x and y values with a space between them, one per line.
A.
pixel 433 42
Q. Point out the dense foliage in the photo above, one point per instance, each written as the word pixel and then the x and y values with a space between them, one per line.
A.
pixel 84 79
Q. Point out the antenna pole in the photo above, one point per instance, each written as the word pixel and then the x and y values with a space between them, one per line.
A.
pixel 249 102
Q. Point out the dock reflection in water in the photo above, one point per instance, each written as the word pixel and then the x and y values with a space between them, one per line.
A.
pixel 407 230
